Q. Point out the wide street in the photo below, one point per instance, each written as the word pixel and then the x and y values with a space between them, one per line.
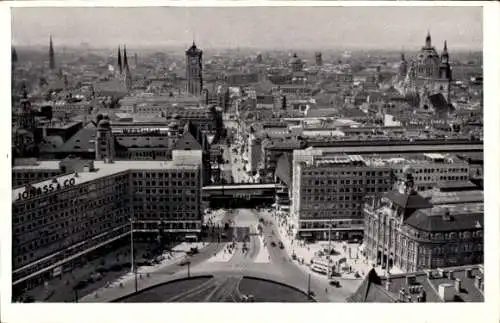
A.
pixel 300 273
pixel 261 260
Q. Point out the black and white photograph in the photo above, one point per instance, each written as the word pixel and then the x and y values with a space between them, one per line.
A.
pixel 258 154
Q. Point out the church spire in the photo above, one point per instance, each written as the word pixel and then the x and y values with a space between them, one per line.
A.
pixel 120 60
pixel 125 61
pixel 428 42
pixel 445 56
pixel 52 62
pixel 14 56
pixel 128 76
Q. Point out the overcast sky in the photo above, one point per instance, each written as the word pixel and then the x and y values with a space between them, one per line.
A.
pixel 259 27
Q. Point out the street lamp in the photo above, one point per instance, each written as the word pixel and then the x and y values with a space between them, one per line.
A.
pixel 133 270
pixel 329 247
pixel 309 285
pixel 132 262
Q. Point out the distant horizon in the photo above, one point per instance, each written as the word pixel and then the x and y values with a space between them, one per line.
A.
pixel 152 47
pixel 259 28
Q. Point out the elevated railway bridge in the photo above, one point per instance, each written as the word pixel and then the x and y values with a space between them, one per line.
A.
pixel 241 195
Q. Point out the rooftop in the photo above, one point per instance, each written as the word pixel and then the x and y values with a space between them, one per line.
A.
pixel 101 170
pixel 438 198
pixel 408 287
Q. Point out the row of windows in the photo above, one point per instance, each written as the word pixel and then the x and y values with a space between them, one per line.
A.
pixel 345 182
pixel 304 214
pixel 346 173
pixel 165 183
pixel 21 260
pixel 33 174
pixel 164 174
pixel 306 199
pixel 326 225
pixel 441 170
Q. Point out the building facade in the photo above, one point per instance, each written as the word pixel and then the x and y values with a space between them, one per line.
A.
pixel 405 230
pixel 57 221
pixel 328 194
pixel 194 70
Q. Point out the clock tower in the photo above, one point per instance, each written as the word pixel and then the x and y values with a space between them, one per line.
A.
pixel 194 69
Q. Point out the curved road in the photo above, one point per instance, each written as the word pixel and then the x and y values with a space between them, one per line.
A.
pixel 223 287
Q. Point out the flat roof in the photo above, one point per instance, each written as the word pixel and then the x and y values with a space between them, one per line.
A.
pixel 107 169
pixel 39 165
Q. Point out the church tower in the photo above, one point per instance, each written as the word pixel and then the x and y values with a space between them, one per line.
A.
pixel 26 118
pixel 428 41
pixel 120 66
pixel 105 144
pixel 127 79
pixel 319 59
pixel 14 56
pixel 194 70
pixel 403 67
pixel 445 68
pixel 52 61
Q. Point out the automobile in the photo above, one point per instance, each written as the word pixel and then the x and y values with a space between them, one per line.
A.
pixel 281 245
pixel 251 299
pixel 192 251
pixel 334 282
pixel 244 298
pixel 273 244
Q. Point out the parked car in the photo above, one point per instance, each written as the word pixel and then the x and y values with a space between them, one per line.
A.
pixel 281 245
pixel 335 283
pixel 273 244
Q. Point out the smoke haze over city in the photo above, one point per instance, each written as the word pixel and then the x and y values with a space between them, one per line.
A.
pixel 255 27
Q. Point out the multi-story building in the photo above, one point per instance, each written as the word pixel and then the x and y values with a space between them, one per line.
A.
pixel 254 152
pixel 29 170
pixel 409 232
pixel 328 193
pixel 194 70
pixel 429 169
pixel 59 220
pixel 449 284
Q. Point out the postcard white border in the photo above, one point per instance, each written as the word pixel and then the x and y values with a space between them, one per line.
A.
pixel 330 312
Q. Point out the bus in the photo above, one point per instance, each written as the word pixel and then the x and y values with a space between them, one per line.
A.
pixel 320 265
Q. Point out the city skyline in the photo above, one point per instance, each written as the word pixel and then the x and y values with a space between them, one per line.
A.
pixel 256 27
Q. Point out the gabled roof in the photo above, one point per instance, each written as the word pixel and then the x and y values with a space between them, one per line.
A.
pixel 284 168
pixel 371 290
pixel 439 102
pixel 187 142
pixel 82 141
pixel 412 201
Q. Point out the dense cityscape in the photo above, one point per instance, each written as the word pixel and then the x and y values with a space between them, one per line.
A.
pixel 185 175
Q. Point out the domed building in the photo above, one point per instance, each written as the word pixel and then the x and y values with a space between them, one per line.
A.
pixel 296 63
pixel 429 74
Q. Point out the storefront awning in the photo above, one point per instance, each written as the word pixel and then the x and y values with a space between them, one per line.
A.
pixel 306 234
pixel 191 236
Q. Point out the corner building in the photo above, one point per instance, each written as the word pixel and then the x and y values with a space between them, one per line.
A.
pixel 405 230
pixel 329 190
pixel 57 221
